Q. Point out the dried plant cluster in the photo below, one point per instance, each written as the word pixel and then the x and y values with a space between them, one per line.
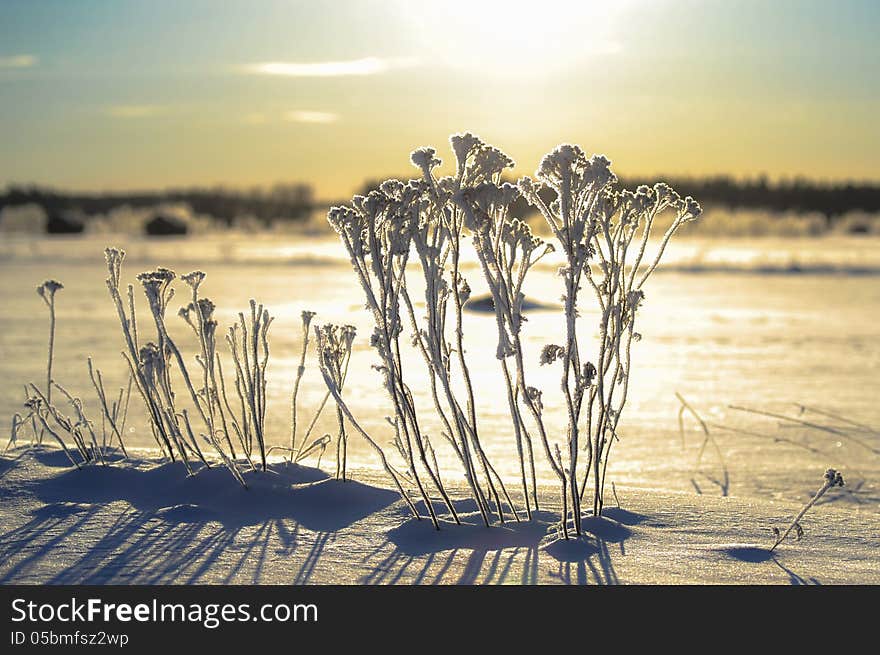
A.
pixel 406 241
pixel 206 423
pixel 44 416
pixel 603 233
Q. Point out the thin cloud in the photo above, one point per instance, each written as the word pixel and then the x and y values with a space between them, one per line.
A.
pixel 18 61
pixel 302 116
pixel 354 67
pixel 133 111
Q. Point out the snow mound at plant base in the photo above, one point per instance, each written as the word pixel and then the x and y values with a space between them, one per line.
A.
pixel 139 521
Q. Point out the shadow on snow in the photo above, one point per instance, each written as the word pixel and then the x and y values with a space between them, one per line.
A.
pixel 501 554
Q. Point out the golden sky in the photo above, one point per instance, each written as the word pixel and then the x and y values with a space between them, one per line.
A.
pixel 107 94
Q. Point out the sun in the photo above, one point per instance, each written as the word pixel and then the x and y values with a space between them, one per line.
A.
pixel 514 36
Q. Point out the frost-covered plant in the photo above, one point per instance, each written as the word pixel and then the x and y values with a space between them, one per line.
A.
pixel 603 233
pixel 335 353
pixel 832 478
pixel 114 413
pixel 507 249
pixel 37 410
pixel 305 448
pixel 154 364
pixel 307 317
pixel 132 355
pixel 440 229
pixel 150 368
pixel 79 429
pixel 327 354
pixel 380 231
pixel 249 344
pixel 199 315
pixel 47 291
pixel 17 421
pixel 377 232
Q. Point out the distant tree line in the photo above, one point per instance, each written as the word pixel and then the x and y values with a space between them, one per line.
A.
pixel 296 201
pixel 831 199
pixel 281 202
pixel 799 195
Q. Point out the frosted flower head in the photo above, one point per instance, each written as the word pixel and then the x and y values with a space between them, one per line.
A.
pixel 519 235
pixel 446 186
pixel 642 200
pixel 665 194
pixel 485 201
pixel 150 360
pixel 562 162
pixel 206 308
pixel 488 164
pixel 156 287
pixel 463 145
pixel 307 316
pixel 193 279
pixel 692 209
pixel 334 348
pixel 833 478
pixel 588 374
pixel 160 276
pixel 600 170
pixel 425 160
pixel 114 258
pixel 345 219
pixel 392 188
pixel 186 313
pixel 410 200
pixel 526 185
pixel 351 226
pixel 47 290
pixel 634 300
pixel 372 205
pixel 348 334
pixel 397 229
pixel 535 395
pixel 384 218
pixel 508 193
pixel 550 353
pixel 567 169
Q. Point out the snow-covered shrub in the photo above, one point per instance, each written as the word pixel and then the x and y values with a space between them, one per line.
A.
pixel 603 233
pixel 150 366
pixel 249 344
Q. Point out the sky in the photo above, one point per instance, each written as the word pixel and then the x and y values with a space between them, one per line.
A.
pixel 124 94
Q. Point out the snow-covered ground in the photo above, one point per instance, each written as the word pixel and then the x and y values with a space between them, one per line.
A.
pixel 747 330
pixel 763 323
pixel 139 522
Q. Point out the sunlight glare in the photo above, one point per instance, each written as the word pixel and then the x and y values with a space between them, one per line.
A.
pixel 516 36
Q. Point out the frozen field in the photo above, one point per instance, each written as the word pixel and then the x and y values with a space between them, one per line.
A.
pixel 724 323
pixel 763 324
pixel 142 525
